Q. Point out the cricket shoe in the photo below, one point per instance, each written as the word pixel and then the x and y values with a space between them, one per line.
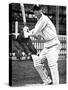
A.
pixel 47 84
pixel 48 81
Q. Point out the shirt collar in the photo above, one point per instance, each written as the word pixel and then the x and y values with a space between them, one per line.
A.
pixel 40 17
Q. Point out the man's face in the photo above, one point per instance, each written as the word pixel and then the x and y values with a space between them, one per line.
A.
pixel 36 13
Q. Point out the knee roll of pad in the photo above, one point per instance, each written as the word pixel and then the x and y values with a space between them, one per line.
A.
pixel 36 60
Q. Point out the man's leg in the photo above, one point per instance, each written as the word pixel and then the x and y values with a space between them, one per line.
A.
pixel 52 58
pixel 43 74
pixel 40 67
pixel 54 73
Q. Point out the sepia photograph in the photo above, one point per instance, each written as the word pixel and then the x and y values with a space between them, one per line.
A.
pixel 37 44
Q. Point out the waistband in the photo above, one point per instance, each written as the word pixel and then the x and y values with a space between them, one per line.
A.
pixel 51 46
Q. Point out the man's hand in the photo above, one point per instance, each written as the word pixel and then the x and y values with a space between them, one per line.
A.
pixel 26 35
pixel 25 30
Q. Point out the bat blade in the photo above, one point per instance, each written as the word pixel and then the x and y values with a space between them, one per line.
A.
pixel 23 13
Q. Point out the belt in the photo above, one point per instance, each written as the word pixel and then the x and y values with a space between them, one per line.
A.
pixel 51 46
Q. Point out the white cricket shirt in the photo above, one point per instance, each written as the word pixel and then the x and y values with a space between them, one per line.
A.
pixel 46 29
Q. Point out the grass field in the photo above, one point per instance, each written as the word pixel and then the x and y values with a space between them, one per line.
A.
pixel 23 72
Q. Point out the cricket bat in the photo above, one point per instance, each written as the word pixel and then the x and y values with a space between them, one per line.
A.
pixel 23 13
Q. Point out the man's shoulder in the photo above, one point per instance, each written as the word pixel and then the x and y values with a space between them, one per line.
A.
pixel 44 17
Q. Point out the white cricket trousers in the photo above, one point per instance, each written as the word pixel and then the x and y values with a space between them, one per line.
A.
pixel 52 58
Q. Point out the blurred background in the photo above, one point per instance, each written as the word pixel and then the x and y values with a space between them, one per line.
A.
pixel 23 71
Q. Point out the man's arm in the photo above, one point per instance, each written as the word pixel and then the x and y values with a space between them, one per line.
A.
pixel 39 26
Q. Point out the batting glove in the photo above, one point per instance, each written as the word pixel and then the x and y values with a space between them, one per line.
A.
pixel 26 29
pixel 26 34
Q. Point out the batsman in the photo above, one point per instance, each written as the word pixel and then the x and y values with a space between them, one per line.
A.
pixel 46 29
